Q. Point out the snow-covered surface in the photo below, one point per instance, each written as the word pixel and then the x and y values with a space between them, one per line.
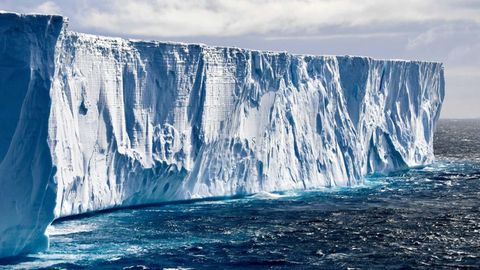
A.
pixel 90 122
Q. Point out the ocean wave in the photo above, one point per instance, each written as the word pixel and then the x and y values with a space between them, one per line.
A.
pixel 69 228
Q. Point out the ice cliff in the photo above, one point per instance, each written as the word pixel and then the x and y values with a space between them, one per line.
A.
pixel 91 122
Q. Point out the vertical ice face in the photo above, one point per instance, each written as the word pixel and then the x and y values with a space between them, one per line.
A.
pixel 27 188
pixel 106 122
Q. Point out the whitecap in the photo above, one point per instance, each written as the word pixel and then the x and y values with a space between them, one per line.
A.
pixel 272 196
pixel 69 228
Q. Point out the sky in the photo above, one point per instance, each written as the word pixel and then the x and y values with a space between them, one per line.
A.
pixel 447 31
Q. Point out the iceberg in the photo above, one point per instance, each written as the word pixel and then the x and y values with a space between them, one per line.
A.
pixel 92 122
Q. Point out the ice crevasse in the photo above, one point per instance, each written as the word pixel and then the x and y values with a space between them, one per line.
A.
pixel 91 123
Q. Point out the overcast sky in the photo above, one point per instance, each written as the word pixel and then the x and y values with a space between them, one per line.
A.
pixel 433 30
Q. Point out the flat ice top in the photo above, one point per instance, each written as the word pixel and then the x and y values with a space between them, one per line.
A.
pixel 109 40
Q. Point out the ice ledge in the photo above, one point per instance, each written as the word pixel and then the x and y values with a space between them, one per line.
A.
pixel 32 15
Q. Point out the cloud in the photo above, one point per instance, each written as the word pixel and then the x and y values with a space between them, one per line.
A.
pixel 242 17
pixel 339 36
pixel 466 55
pixel 451 31
pixel 48 7
pixel 432 30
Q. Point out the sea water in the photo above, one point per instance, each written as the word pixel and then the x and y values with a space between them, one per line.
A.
pixel 423 218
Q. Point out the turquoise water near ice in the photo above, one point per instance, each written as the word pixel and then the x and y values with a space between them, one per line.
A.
pixel 421 218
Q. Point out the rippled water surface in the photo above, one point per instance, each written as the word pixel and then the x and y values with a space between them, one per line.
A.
pixel 423 218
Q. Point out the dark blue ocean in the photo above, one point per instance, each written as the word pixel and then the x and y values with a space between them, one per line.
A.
pixel 425 218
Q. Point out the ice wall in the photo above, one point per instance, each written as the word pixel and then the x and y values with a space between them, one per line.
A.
pixel 27 185
pixel 120 122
